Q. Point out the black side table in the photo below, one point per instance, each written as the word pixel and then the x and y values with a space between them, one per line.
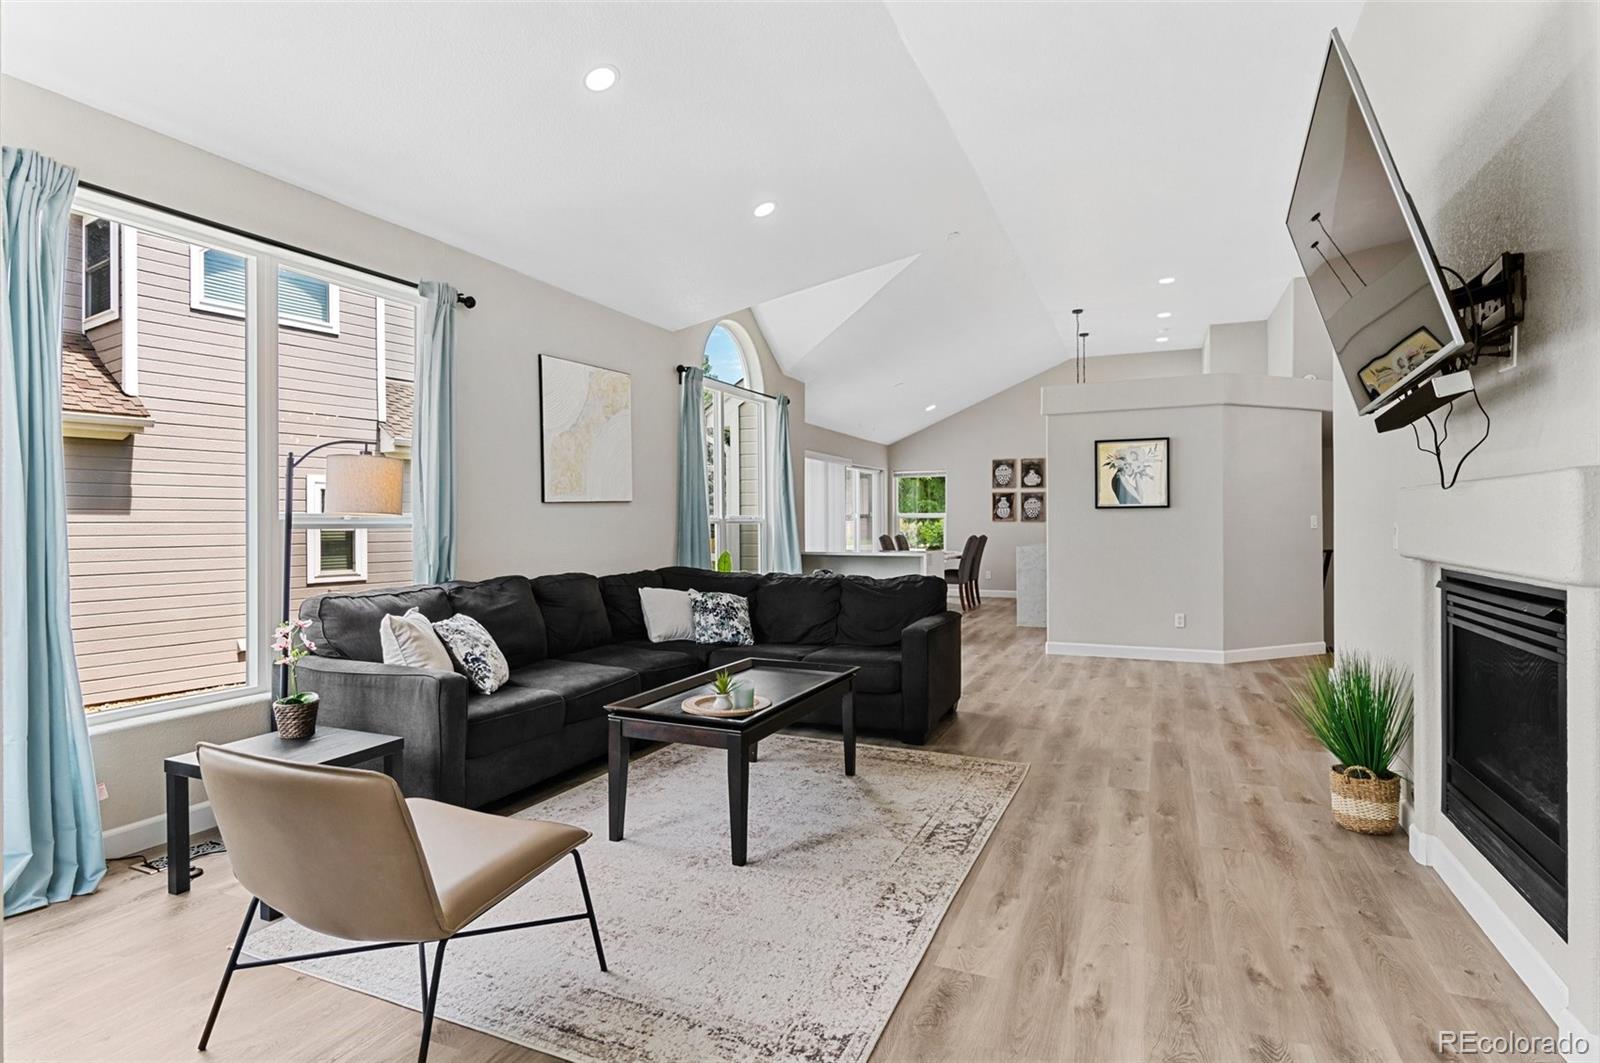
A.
pixel 329 745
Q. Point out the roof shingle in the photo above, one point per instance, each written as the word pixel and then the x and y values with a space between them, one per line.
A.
pixel 399 403
pixel 87 386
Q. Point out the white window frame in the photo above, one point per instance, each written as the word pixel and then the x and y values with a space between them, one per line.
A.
pixel 866 541
pixel 316 491
pixel 115 286
pixel 722 523
pixel 263 462
pixel 944 516
pixel 199 300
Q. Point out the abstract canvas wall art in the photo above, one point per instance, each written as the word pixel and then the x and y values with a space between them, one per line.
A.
pixel 1131 473
pixel 586 432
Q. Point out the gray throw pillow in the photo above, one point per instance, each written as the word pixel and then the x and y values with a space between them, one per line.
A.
pixel 474 652
pixel 721 617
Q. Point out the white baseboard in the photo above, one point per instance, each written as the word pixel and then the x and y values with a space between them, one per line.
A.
pixel 1178 653
pixel 986 592
pixel 1577 1043
pixel 1536 973
pixel 144 835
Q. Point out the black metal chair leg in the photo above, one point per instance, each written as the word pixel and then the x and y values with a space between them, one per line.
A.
pixel 227 974
pixel 429 999
pixel 594 927
pixel 422 967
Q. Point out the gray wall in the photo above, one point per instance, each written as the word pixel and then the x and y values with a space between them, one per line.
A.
pixel 503 525
pixel 1009 425
pixel 1234 551
pixel 1502 155
pixel 1236 347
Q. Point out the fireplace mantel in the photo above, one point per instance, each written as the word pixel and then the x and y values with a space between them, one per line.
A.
pixel 1542 526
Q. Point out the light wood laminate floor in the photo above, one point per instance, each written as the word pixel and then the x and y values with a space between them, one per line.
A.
pixel 1167 884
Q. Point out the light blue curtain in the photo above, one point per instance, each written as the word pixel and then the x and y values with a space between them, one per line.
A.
pixel 53 848
pixel 433 453
pixel 785 530
pixel 694 517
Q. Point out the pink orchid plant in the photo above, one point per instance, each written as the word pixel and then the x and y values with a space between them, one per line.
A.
pixel 290 641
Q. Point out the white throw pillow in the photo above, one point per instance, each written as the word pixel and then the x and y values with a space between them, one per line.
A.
pixel 410 640
pixel 474 651
pixel 667 614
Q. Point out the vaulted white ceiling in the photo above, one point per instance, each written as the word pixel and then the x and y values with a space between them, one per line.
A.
pixel 1078 151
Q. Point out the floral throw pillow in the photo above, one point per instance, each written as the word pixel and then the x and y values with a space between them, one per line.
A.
pixel 721 617
pixel 474 652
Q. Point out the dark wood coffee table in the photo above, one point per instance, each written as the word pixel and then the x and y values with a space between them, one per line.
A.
pixel 796 688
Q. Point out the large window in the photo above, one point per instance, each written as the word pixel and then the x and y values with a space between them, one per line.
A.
pixel 737 455
pixel 842 503
pixel 174 489
pixel 920 508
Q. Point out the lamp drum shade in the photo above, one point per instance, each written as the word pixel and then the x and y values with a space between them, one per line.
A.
pixel 363 485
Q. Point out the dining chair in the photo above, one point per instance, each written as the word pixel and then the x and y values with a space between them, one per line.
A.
pixel 962 575
pixel 977 567
pixel 885 543
pixel 342 852
pixel 900 542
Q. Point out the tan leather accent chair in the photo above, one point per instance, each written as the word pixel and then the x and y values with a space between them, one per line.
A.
pixel 343 852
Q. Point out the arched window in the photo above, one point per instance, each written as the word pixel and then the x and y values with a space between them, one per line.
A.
pixel 728 357
pixel 738 420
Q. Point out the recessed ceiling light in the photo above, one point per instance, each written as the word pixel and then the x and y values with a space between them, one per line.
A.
pixel 1162 339
pixel 764 209
pixel 930 407
pixel 600 78
pixel 1164 314
pixel 1167 280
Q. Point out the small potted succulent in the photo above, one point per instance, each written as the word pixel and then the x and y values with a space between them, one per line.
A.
pixel 724 686
pixel 1360 710
pixel 295 714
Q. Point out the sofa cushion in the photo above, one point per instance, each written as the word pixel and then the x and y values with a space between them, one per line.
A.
pixel 879 666
pixel 720 618
pixel 873 612
pixel 584 687
pixel 346 625
pixel 796 609
pixel 655 666
pixel 510 716
pixel 574 612
pixel 621 595
pixel 699 653
pixel 722 656
pixel 685 578
pixel 505 607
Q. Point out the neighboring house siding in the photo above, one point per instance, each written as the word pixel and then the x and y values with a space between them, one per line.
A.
pixel 156 530
pixel 156 522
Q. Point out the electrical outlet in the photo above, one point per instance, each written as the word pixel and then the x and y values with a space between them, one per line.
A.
pixel 1179 620
pixel 1316 522
pixel 100 791
pixel 987 573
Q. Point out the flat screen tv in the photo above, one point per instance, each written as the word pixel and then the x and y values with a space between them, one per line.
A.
pixel 1365 253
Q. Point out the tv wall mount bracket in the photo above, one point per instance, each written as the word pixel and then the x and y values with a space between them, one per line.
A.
pixel 1490 308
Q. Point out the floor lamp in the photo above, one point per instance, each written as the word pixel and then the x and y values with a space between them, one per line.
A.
pixel 358 485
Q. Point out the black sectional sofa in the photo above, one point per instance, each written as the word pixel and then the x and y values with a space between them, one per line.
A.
pixel 576 642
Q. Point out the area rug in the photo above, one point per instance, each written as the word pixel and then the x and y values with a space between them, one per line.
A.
pixel 800 955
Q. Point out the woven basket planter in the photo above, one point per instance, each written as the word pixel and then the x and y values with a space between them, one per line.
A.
pixel 296 719
pixel 1362 802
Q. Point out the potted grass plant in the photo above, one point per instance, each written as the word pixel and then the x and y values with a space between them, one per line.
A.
pixel 1360 710
pixel 723 684
pixel 296 712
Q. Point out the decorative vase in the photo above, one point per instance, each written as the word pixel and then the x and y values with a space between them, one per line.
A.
pixel 296 719
pixel 721 703
pixel 1362 802
pixel 744 696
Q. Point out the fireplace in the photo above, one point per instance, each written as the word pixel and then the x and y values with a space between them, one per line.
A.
pixel 1504 687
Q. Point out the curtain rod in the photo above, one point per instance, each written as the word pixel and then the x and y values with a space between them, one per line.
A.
pixel 465 300
pixel 682 369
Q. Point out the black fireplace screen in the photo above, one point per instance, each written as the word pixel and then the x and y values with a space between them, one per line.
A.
pixel 1505 731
